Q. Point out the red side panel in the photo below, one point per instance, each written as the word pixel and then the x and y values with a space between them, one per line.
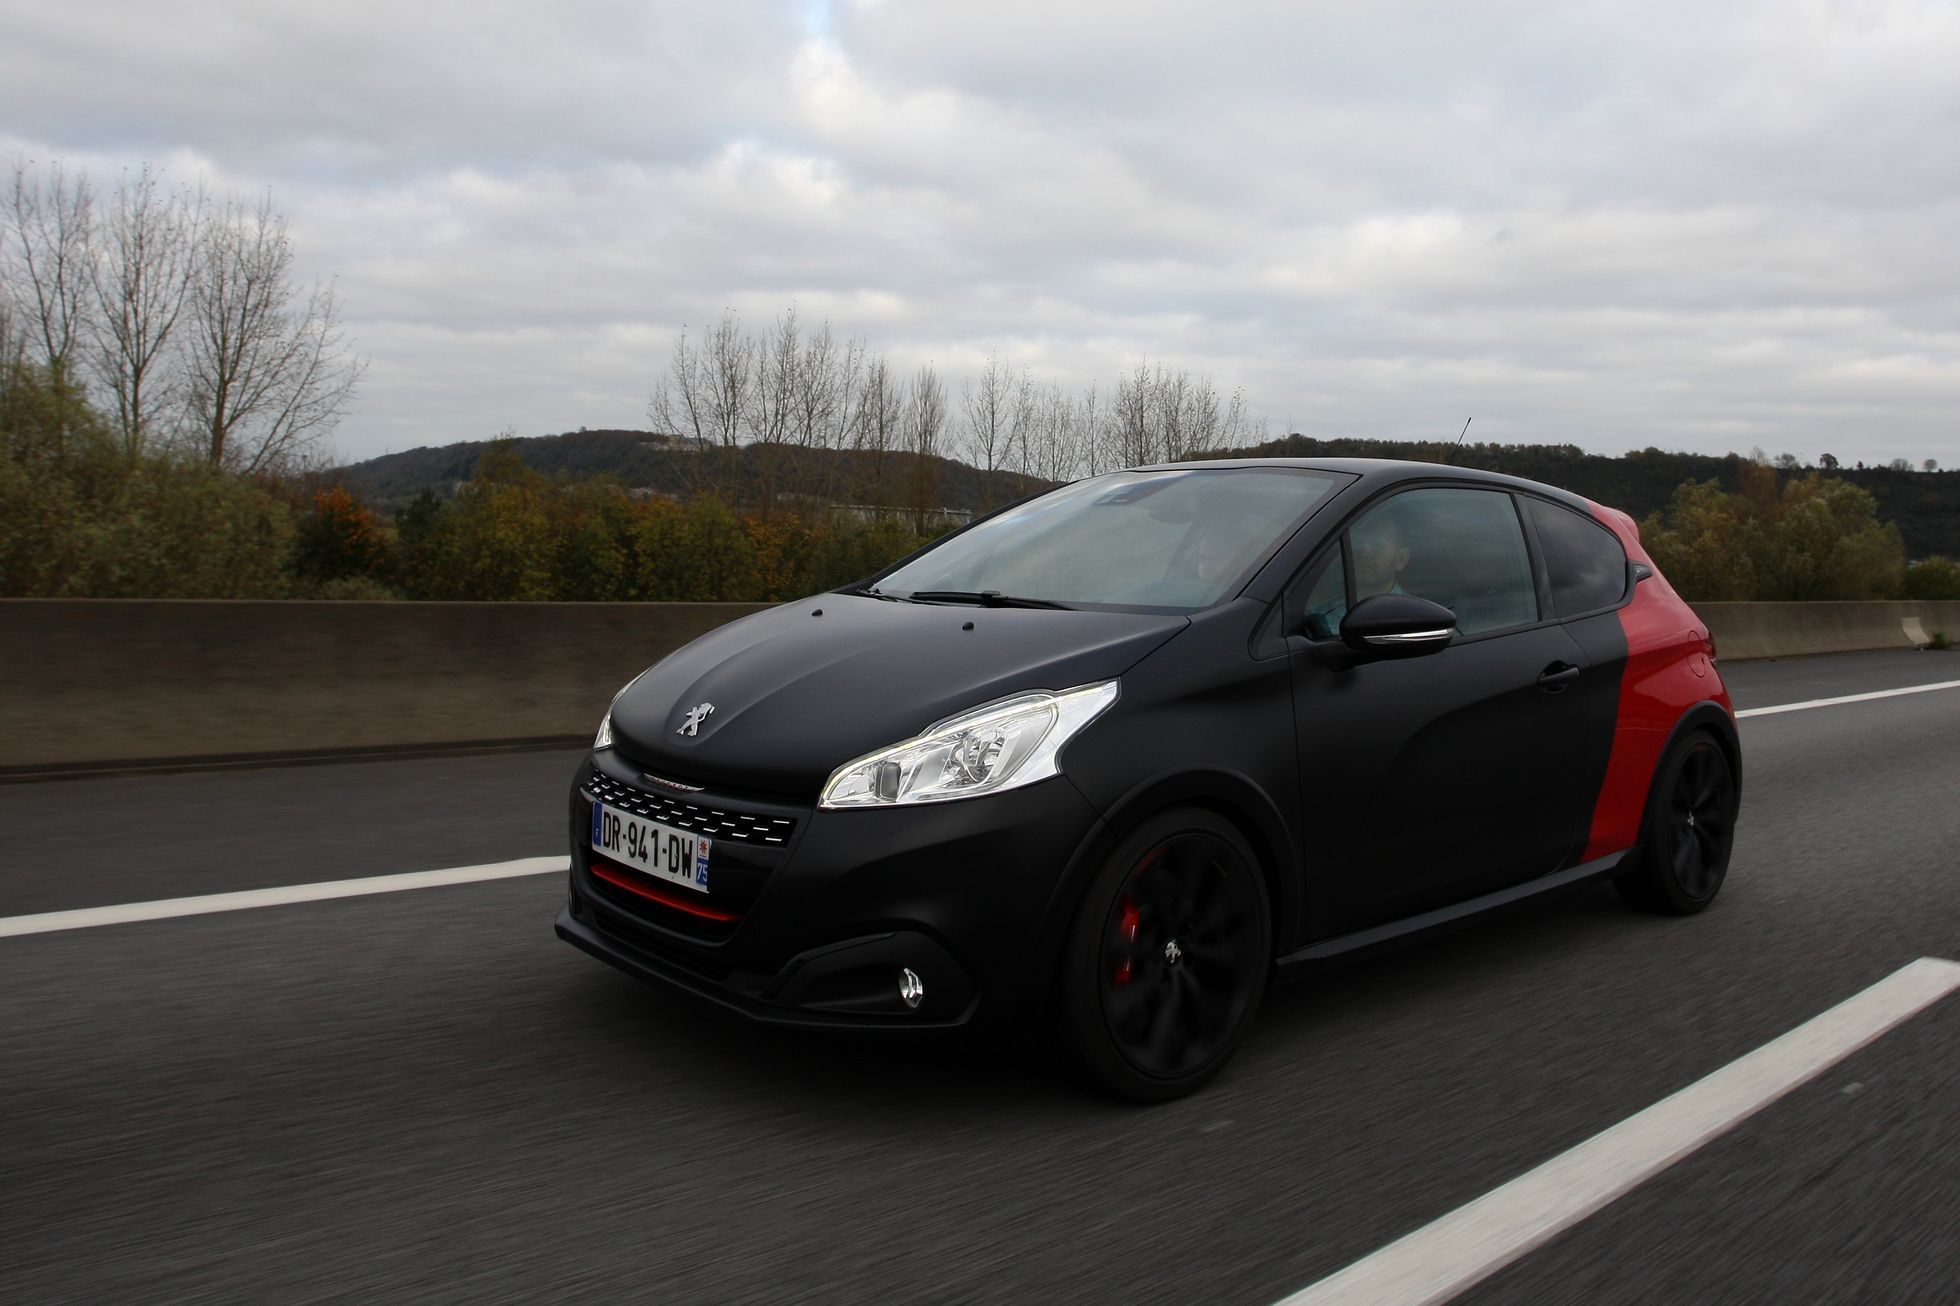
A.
pixel 1670 667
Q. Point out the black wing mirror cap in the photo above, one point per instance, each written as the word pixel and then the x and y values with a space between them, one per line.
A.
pixel 1397 626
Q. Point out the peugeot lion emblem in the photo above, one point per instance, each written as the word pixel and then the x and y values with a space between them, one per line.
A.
pixel 695 716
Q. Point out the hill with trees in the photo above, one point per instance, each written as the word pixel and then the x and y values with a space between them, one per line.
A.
pixel 755 476
pixel 1924 504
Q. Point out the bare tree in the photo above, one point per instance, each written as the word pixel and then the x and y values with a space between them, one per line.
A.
pixel 706 387
pixel 1203 419
pixel 795 392
pixel 1090 432
pixel 1026 416
pixel 1052 452
pixel 705 394
pixel 47 272
pixel 881 421
pixel 816 389
pixel 925 418
pixel 816 396
pixel 988 404
pixel 851 394
pixel 772 406
pixel 1239 428
pixel 13 346
pixel 845 409
pixel 1172 416
pixel 1133 441
pixel 267 370
pixel 146 243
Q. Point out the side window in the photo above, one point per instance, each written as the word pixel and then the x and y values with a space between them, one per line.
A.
pixel 1463 549
pixel 1586 565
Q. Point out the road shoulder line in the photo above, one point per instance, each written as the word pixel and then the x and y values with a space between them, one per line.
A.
pixel 82 918
pixel 1847 698
pixel 1451 1254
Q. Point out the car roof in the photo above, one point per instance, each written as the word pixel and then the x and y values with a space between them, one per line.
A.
pixel 1377 473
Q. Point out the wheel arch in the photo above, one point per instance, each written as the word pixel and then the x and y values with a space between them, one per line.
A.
pixel 1709 715
pixel 1229 794
pixel 1713 717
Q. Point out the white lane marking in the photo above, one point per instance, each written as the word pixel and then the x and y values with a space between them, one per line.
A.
pixel 165 908
pixel 1444 1258
pixel 1848 698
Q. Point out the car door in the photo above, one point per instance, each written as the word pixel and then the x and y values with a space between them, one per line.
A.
pixel 1428 780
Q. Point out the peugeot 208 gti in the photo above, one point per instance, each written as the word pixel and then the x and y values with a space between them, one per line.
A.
pixel 1108 761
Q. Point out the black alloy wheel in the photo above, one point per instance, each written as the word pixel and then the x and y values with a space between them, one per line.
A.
pixel 1690 830
pixel 1169 957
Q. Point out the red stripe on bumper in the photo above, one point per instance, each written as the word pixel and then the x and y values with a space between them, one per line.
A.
pixel 636 884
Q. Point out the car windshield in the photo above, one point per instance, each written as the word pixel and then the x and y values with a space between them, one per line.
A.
pixel 1183 538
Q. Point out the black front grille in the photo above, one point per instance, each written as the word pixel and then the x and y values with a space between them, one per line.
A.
pixel 695 818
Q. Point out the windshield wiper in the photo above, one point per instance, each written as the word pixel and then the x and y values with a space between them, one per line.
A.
pixel 871 592
pixel 984 598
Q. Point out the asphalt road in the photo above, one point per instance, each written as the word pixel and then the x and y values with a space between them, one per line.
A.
pixel 425 1094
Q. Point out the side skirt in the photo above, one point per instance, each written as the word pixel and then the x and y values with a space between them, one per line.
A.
pixel 1378 938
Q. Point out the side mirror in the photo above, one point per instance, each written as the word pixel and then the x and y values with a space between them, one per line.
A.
pixel 1397 626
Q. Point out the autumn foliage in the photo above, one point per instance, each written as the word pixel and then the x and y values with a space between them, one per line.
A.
pixel 512 533
pixel 81 515
pixel 1816 538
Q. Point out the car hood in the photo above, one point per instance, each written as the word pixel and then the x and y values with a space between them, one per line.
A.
pixel 796 694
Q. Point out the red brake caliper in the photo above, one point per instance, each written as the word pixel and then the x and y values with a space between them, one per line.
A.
pixel 1126 928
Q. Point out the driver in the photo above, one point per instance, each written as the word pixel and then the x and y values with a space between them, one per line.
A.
pixel 1379 557
pixel 1218 553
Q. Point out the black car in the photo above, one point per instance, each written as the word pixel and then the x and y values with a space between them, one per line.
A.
pixel 1107 761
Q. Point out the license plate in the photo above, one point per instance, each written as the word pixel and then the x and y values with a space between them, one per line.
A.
pixel 660 851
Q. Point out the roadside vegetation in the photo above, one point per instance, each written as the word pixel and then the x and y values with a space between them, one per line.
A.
pixel 167 386
pixel 80 517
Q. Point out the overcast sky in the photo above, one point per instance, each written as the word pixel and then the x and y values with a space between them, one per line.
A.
pixel 1692 225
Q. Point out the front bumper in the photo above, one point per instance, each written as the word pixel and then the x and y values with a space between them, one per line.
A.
pixel 827 921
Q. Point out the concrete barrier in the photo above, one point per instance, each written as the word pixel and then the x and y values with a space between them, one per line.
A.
pixel 1776 630
pixel 119 682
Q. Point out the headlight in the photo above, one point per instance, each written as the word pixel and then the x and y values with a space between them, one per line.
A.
pixel 604 738
pixel 1001 746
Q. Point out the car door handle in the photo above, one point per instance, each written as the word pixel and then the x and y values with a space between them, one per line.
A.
pixel 1557 676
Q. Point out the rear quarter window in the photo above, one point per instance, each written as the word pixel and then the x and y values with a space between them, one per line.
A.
pixel 1583 560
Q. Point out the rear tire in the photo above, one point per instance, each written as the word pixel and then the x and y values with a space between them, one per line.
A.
pixel 1688 832
pixel 1168 957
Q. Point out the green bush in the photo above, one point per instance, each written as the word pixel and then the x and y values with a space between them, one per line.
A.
pixel 1933 578
pixel 1820 538
pixel 80 518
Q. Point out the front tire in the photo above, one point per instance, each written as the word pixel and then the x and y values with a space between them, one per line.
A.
pixel 1688 833
pixel 1168 957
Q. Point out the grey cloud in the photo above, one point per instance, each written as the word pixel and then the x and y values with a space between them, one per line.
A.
pixel 1708 226
pixel 360 89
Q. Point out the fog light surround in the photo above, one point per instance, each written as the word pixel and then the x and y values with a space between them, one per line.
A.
pixel 911 989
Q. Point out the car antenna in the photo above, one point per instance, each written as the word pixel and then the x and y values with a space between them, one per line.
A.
pixel 1450 457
